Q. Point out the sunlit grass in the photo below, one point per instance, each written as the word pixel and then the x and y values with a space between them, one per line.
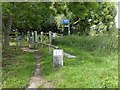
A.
pixel 93 67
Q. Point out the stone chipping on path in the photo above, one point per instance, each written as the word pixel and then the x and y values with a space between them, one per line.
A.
pixel 36 81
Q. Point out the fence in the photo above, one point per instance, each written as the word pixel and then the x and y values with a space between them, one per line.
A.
pixel 50 36
pixel 16 39
pixel 45 39
pixel 57 53
pixel 32 39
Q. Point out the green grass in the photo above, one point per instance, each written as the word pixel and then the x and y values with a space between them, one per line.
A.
pixel 17 68
pixel 94 67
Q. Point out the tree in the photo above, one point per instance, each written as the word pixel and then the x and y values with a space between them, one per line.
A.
pixel 83 15
pixel 7 22
pixel 23 16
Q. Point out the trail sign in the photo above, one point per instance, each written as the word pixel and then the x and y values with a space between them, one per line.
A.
pixel 65 21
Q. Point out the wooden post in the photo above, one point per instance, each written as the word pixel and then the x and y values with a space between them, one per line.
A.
pixel 22 40
pixel 53 37
pixel 57 58
pixel 36 39
pixel 20 43
pixel 28 36
pixel 68 29
pixel 16 35
pixel 32 40
pixel 50 39
pixel 41 39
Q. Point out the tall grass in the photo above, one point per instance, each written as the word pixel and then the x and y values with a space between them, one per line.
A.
pixel 102 43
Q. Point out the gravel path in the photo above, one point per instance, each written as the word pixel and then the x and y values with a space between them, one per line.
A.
pixel 37 81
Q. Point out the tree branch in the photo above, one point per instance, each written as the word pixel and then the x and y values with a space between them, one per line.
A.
pixel 76 21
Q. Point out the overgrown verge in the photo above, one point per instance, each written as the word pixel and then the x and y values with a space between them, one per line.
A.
pixel 17 68
pixel 101 43
pixel 96 65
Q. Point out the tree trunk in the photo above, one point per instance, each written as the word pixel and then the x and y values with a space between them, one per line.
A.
pixel 6 31
pixel 6 39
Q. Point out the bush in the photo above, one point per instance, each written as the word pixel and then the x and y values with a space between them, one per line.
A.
pixel 104 43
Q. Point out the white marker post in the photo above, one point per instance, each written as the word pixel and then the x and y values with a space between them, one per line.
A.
pixel 57 58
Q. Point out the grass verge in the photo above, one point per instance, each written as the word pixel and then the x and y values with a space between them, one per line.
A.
pixel 17 68
pixel 93 67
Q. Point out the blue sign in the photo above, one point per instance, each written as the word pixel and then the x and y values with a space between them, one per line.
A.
pixel 65 21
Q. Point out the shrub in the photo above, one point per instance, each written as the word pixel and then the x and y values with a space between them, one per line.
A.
pixel 104 43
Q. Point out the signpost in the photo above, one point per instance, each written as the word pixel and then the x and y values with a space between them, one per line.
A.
pixel 66 22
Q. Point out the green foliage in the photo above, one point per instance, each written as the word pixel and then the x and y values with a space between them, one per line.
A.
pixel 27 15
pixel 86 14
pixel 47 16
pixel 81 9
pixel 36 15
pixel 17 69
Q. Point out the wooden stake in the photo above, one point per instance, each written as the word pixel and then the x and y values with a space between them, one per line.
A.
pixel 50 39
pixel 28 36
pixel 16 35
pixel 36 39
pixel 42 39
pixel 32 40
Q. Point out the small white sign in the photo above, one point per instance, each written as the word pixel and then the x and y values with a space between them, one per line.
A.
pixel 54 35
pixel 57 52
pixel 57 58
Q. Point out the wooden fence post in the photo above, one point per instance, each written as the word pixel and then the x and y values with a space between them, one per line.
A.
pixel 41 39
pixel 16 35
pixel 36 39
pixel 68 29
pixel 28 36
pixel 32 40
pixel 21 40
pixel 50 39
